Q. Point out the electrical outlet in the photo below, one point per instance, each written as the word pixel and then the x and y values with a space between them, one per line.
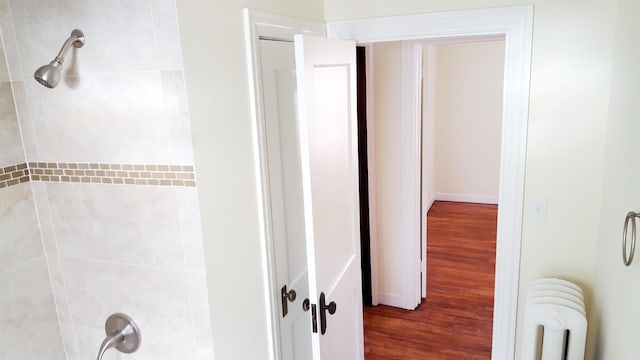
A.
pixel 537 209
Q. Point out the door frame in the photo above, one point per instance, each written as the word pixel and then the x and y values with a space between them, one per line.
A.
pixel 516 25
pixel 259 25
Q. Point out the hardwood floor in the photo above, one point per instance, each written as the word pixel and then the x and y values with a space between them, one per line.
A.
pixel 455 321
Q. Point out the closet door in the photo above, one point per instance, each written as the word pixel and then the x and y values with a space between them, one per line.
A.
pixel 285 186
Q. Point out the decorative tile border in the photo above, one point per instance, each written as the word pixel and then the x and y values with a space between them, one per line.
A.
pixel 120 174
pixel 13 175
pixel 94 173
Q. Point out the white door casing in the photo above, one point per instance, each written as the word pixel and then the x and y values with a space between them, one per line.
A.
pixel 327 121
pixel 259 25
pixel 285 184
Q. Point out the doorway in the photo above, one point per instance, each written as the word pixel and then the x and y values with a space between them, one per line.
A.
pixel 460 84
pixel 516 24
pixel 461 143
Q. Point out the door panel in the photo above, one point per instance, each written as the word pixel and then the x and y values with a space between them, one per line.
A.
pixel 330 173
pixel 326 77
pixel 285 185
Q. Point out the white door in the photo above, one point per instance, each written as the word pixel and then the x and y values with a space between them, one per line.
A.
pixel 285 186
pixel 327 124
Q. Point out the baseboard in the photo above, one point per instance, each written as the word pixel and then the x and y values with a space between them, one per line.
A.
pixel 476 199
pixel 429 204
pixel 390 300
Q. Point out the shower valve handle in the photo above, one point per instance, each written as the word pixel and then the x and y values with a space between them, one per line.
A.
pixel 122 333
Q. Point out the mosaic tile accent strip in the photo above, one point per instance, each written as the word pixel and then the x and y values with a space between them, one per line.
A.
pixel 13 175
pixel 119 174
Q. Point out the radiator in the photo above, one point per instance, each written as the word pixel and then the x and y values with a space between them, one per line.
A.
pixel 555 326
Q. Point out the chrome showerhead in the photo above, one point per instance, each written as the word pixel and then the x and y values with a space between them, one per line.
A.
pixel 49 75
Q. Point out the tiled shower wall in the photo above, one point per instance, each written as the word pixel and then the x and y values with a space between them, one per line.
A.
pixel 29 327
pixel 111 169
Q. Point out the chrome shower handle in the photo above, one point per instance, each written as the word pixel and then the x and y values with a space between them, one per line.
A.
pixel 122 333
pixel 108 343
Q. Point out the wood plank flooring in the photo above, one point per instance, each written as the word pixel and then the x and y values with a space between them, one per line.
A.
pixel 455 321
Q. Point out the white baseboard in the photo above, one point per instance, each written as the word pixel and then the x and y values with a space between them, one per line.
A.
pixel 476 199
pixel 429 204
pixel 390 300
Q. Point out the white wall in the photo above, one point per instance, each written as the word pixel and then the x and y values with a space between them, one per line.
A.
pixel 387 107
pixel 468 120
pixel 216 75
pixel 618 288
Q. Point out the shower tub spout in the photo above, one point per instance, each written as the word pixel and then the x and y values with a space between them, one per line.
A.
pixel 122 334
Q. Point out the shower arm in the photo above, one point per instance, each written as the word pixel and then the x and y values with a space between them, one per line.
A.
pixel 76 40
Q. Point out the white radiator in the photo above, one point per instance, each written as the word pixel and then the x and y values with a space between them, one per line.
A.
pixel 555 321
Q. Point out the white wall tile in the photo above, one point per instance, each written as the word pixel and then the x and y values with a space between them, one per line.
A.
pixel 190 228
pixel 66 330
pixel 59 289
pixel 20 240
pixel 26 121
pixel 135 225
pixel 177 115
pixel 41 201
pixel 167 33
pixel 45 346
pixel 10 44
pixel 4 69
pixel 122 118
pixel 28 310
pixel 157 299
pixel 119 34
pixel 69 340
pixel 198 297
pixel 11 151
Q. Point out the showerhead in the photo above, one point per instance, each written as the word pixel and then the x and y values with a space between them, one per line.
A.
pixel 49 75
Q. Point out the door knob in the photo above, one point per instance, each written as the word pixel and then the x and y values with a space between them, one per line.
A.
pixel 331 308
pixel 287 296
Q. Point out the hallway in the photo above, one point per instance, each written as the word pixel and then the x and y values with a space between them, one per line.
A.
pixel 455 321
